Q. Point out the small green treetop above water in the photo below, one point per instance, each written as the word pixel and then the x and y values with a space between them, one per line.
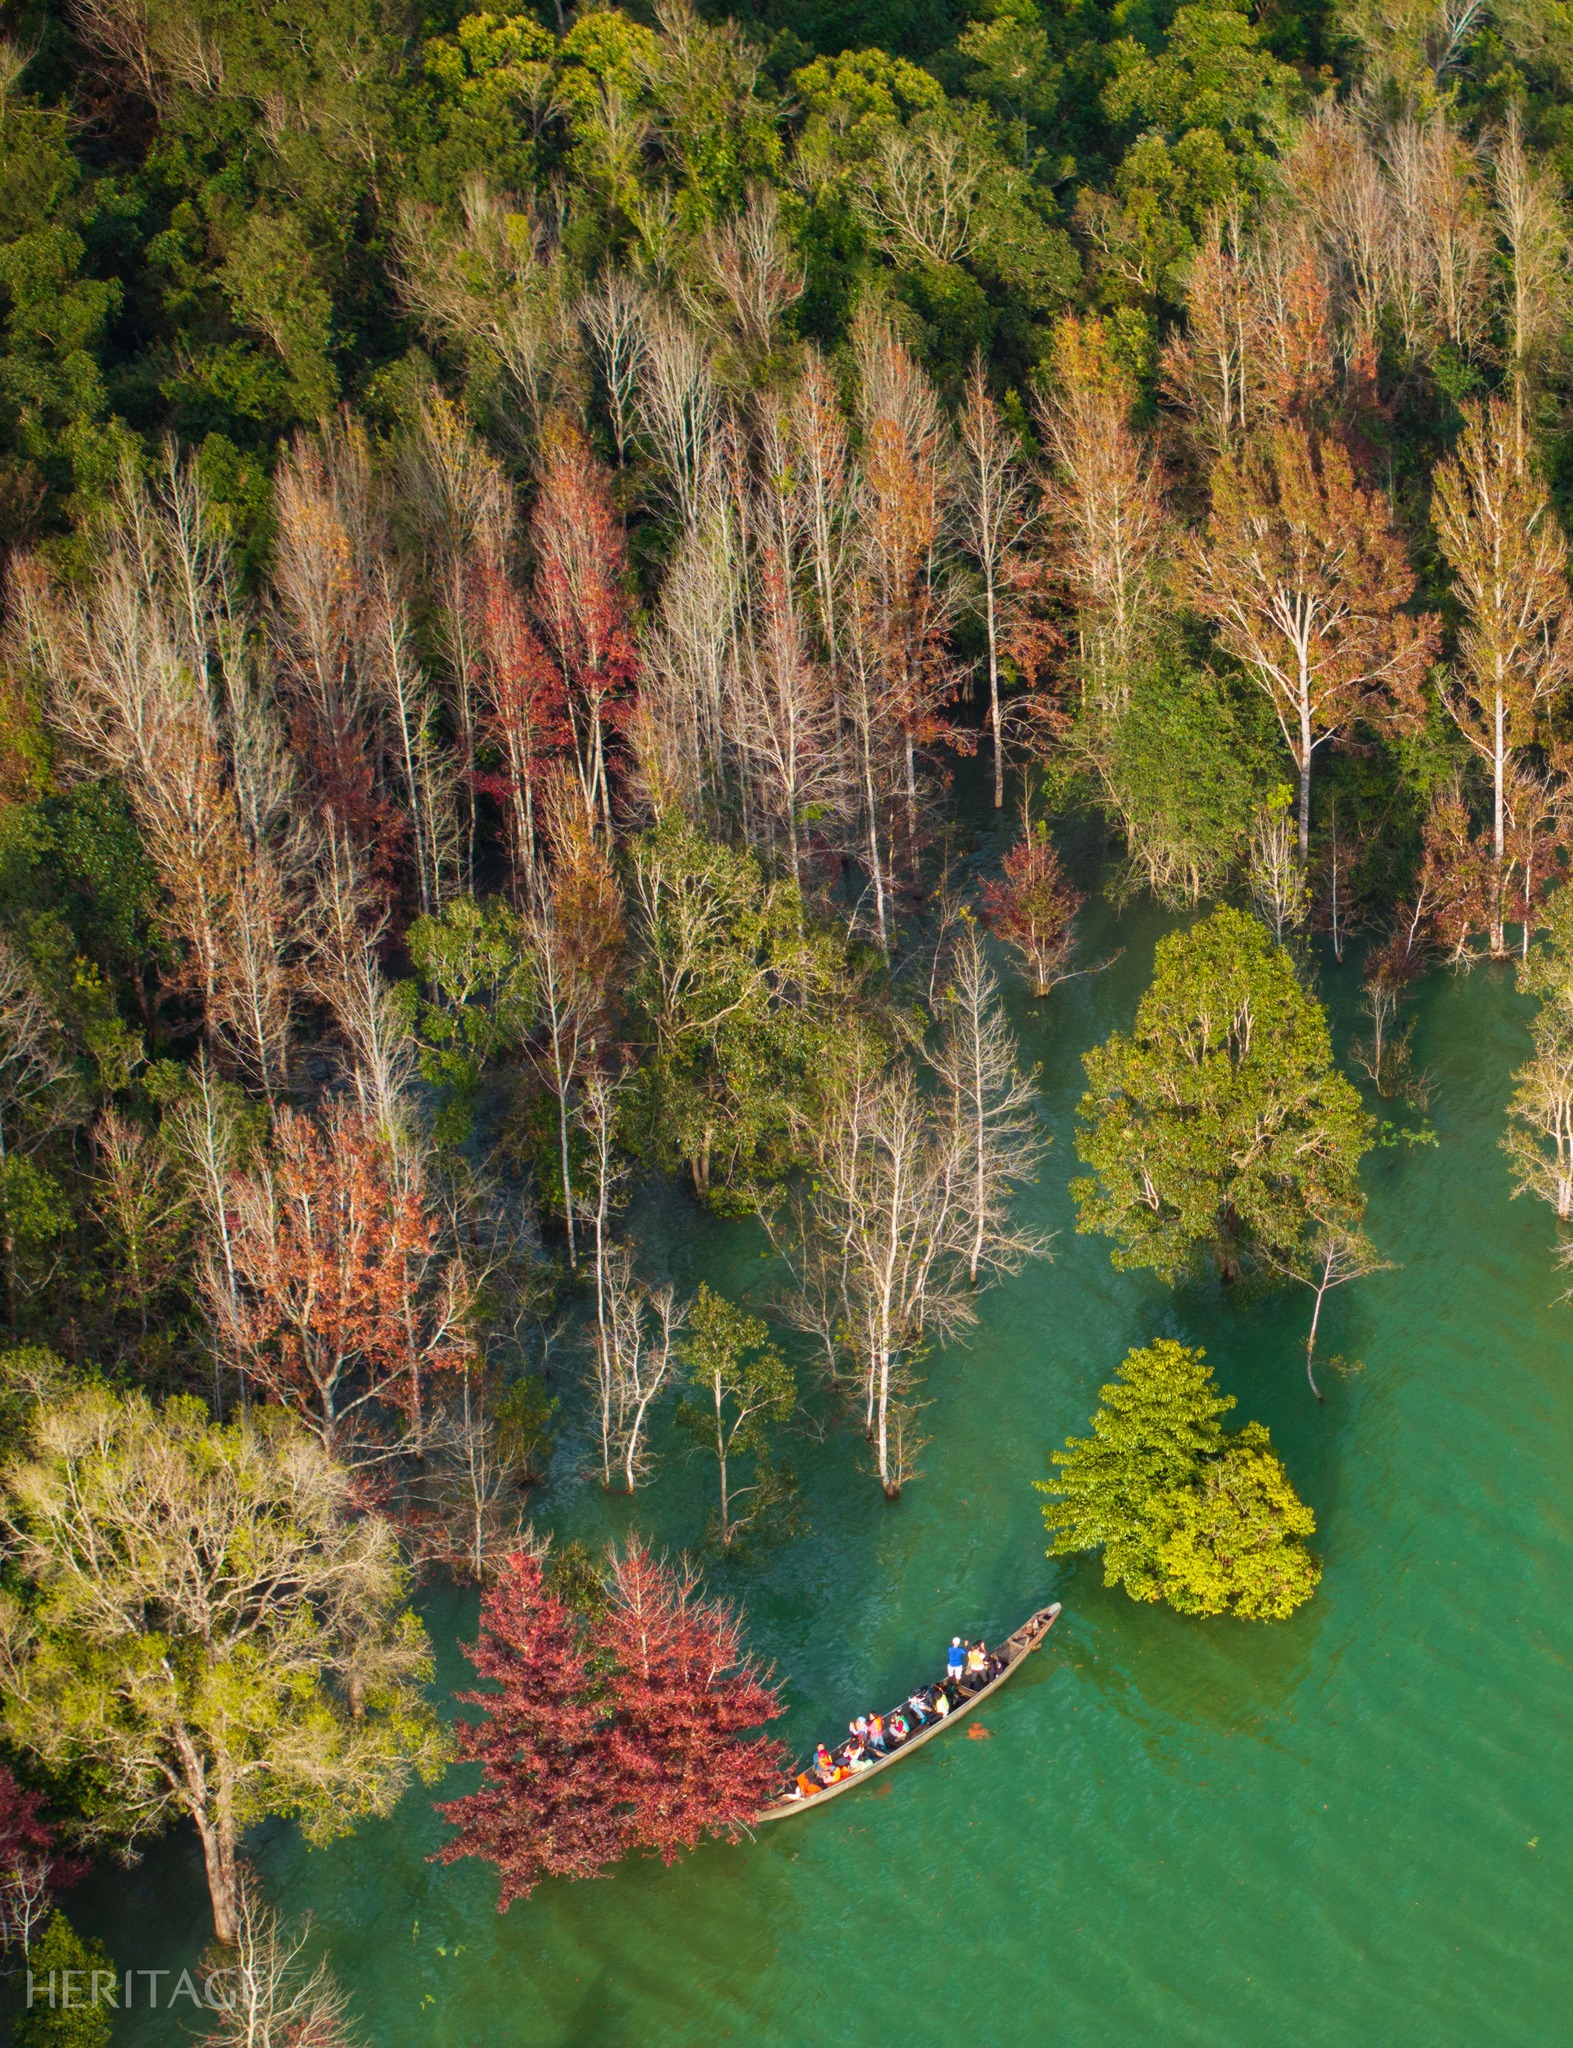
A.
pixel 81 2019
pixel 745 1387
pixel 1219 1130
pixel 1183 1510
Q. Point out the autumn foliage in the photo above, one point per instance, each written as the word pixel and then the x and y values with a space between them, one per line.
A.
pixel 31 1868
pixel 336 1297
pixel 1033 909
pixel 623 1730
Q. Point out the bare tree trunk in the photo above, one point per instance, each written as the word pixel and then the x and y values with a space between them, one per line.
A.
pixel 1498 829
pixel 994 696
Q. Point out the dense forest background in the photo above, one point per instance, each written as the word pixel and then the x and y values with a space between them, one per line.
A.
pixel 516 528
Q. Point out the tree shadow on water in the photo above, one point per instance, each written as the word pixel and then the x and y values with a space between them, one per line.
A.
pixel 1170 1674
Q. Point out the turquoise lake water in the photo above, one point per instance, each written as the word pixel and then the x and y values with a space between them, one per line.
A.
pixel 1350 1830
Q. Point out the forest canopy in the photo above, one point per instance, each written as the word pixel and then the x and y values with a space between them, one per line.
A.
pixel 589 595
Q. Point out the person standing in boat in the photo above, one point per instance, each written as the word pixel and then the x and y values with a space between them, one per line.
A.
pixel 956 1660
pixel 977 1667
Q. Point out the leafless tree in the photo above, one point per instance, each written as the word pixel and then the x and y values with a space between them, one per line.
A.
pixel 634 1357
pixel 139 1197
pixel 431 779
pixel 1504 543
pixel 571 1000
pixel 1106 510
pixel 679 406
pixel 495 284
pixel 691 667
pixel 878 1243
pixel 270 1996
pixel 994 1106
pixel 1276 877
pixel 1539 1142
pixel 461 513
pixel 754 271
pixel 920 190
pixel 1337 1254
pixel 146 668
pixel 463 1508
pixel 993 506
pixel 612 313
pixel 824 487
pixel 782 721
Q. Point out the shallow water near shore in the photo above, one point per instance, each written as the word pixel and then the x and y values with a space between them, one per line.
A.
pixel 1349 1830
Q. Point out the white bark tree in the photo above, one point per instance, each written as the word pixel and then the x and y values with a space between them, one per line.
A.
pixel 993 1103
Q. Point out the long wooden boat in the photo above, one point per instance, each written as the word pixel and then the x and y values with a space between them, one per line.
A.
pixel 1014 1649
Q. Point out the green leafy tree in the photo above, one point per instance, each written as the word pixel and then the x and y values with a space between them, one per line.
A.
pixel 1182 1510
pixel 744 1387
pixel 207 1631
pixel 74 1991
pixel 60 446
pixel 1219 1131
pixel 747 1012
pixel 1182 772
pixel 475 1000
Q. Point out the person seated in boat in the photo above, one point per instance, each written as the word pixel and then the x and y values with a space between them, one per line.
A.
pixel 955 1660
pixel 875 1736
pixel 996 1665
pixel 922 1704
pixel 804 1786
pixel 824 1765
pixel 897 1729
pixel 941 1702
pixel 977 1672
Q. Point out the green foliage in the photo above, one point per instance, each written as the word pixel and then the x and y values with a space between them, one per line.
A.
pixel 1219 1130
pixel 1212 73
pixel 524 1418
pixel 202 1608
pixel 479 1002
pixel 489 79
pixel 1181 1510
pixel 575 1576
pixel 1183 774
pixel 67 2011
pixel 747 1014
pixel 745 1390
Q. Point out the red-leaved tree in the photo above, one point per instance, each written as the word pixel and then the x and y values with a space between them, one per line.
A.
pixel 622 1730
pixel 1033 909
pixel 548 1804
pixel 527 709
pixel 579 605
pixel 685 1693
pixel 31 1870
pixel 337 1298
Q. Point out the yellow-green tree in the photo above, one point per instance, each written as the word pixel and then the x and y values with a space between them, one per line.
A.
pixel 1182 1510
pixel 1219 1129
pixel 207 1631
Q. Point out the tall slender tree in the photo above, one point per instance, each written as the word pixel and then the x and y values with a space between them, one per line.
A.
pixel 1306 575
pixel 1000 1139
pixel 993 507
pixel 1504 543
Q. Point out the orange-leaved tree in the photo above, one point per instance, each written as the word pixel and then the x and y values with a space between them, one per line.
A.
pixel 1305 573
pixel 338 1297
pixel 1506 549
pixel 579 605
